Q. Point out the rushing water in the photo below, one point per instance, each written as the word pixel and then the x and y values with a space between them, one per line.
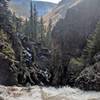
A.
pixel 42 93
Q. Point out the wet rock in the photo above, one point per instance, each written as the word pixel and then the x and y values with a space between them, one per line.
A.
pixel 27 57
pixel 97 57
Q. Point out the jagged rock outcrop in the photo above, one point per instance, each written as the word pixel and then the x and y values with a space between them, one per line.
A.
pixel 89 78
pixel 41 59
pixel 7 61
pixel 7 76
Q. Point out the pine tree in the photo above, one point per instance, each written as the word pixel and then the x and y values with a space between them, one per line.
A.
pixel 17 23
pixel 93 45
pixel 33 22
pixel 26 27
pixel 48 37
pixel 97 38
pixel 14 20
pixel 5 14
pixel 42 31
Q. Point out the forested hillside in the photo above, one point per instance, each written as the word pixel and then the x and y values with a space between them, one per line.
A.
pixel 22 7
pixel 67 53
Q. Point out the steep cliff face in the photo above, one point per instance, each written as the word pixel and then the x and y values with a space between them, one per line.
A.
pixel 59 11
pixel 79 22
pixel 69 39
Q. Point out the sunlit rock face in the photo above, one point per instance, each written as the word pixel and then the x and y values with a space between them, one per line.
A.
pixel 42 93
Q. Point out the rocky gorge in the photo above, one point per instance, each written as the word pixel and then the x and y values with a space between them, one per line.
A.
pixel 32 68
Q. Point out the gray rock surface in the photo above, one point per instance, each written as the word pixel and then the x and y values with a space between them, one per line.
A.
pixel 6 76
pixel 89 79
pixel 74 69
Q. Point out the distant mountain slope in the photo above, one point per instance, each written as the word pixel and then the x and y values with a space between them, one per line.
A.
pixel 60 11
pixel 44 7
pixel 22 7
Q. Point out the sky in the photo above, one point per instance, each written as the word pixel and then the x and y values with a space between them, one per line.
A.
pixel 54 1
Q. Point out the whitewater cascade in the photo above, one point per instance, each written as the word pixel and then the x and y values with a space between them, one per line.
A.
pixel 43 93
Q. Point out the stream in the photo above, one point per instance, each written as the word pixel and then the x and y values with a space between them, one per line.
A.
pixel 46 93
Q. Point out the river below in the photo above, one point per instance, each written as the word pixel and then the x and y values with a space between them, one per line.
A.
pixel 43 93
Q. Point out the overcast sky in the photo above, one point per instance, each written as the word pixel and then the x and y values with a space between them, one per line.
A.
pixel 55 1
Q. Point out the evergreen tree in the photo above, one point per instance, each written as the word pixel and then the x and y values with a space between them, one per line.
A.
pixel 17 23
pixel 93 45
pixel 48 37
pixel 42 31
pixel 33 22
pixel 26 27
pixel 5 14
pixel 97 38
pixel 14 20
